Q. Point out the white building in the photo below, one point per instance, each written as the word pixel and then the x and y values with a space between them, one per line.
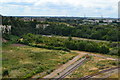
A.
pixel 5 27
pixel 42 26
pixel 107 21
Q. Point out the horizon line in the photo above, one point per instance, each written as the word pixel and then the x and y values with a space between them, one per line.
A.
pixel 56 16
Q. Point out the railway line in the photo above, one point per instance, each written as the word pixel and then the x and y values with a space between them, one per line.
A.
pixel 92 75
pixel 70 69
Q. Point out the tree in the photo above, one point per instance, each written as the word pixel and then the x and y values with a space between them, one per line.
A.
pixel 104 49
pixel 81 45
pixel 70 38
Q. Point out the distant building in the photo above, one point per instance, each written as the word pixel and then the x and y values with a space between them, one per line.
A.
pixel 107 21
pixel 97 21
pixel 118 21
pixel 42 26
pixel 38 19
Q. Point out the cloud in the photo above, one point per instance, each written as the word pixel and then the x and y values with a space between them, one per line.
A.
pixel 60 7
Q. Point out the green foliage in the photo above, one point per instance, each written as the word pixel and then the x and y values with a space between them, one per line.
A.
pixel 100 32
pixel 81 45
pixel 38 70
pixel 114 63
pixel 63 44
pixel 51 47
pixel 11 39
pixel 69 38
pixel 5 73
pixel 115 51
pixel 29 61
pixel 71 44
pixel 104 49
pixel 92 47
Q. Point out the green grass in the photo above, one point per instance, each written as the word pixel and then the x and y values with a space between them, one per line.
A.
pixel 27 61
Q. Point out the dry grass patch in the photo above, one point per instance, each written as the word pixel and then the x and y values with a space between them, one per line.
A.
pixel 95 65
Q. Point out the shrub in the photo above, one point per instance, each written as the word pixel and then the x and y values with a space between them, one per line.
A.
pixel 104 49
pixel 64 44
pixel 5 73
pixel 113 52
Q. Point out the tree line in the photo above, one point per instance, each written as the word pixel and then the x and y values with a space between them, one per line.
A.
pixel 63 44
pixel 99 32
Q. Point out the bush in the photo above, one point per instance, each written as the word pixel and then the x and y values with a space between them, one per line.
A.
pixel 104 49
pixel 50 47
pixel 114 63
pixel 63 44
pixel 11 38
pixel 81 46
pixel 5 73
pixel 29 75
pixel 113 52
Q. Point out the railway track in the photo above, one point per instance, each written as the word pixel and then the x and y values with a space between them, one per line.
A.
pixel 90 76
pixel 70 69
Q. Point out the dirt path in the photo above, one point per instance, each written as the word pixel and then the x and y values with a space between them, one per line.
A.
pixel 4 40
pixel 96 55
pixel 61 68
pixel 18 45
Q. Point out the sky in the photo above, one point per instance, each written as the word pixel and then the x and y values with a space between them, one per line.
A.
pixel 75 8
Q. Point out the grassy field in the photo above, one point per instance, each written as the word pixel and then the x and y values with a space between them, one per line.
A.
pixel 26 61
pixel 94 65
pixel 115 75
pixel 84 39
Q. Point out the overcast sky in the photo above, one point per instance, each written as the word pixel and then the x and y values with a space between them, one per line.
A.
pixel 79 8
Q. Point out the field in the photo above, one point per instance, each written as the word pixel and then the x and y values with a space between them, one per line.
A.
pixel 93 66
pixel 26 61
pixel 115 75
pixel 36 47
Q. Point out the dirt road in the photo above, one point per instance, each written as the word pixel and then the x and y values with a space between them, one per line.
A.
pixel 96 55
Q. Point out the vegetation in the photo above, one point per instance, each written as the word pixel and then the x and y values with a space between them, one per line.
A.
pixel 99 32
pixel 98 64
pixel 26 61
pixel 11 38
pixel 63 44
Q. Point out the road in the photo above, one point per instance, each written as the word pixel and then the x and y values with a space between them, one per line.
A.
pixel 78 38
pixel 96 55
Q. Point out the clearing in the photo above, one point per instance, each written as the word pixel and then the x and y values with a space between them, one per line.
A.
pixel 25 61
